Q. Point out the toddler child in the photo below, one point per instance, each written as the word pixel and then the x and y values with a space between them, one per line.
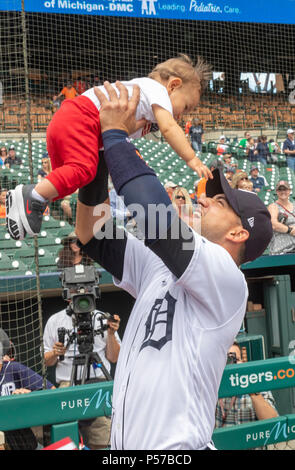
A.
pixel 172 89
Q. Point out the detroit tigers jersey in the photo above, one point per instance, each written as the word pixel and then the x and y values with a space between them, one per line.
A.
pixel 174 347
pixel 151 92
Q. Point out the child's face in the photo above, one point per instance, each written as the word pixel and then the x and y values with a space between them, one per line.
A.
pixel 247 185
pixel 184 99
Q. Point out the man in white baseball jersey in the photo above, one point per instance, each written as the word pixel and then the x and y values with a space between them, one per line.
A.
pixel 190 294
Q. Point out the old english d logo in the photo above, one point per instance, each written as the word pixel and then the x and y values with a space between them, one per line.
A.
pixel 159 323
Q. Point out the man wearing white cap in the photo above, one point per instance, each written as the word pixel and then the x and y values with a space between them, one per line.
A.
pixel 289 149
pixel 170 187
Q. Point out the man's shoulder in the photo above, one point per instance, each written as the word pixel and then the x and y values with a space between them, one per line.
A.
pixel 15 366
pixel 212 269
pixel 55 317
pixel 218 256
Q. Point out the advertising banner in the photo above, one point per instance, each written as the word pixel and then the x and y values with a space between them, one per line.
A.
pixel 215 10
pixel 258 376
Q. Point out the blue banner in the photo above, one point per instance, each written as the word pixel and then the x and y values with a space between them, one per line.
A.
pixel 259 11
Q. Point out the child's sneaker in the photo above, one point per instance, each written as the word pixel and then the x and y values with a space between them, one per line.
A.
pixel 24 214
pixel 14 224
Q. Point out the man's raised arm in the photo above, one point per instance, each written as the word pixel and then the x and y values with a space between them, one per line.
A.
pixel 137 182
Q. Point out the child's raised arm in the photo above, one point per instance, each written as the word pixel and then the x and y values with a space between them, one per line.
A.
pixel 175 137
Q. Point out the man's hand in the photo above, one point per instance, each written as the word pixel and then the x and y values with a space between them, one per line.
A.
pixel 118 112
pixel 58 349
pixel 114 326
pixel 21 391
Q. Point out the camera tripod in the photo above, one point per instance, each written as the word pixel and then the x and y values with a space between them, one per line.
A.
pixel 86 360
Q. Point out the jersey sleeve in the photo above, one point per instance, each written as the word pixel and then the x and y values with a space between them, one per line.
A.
pixel 137 261
pixel 213 278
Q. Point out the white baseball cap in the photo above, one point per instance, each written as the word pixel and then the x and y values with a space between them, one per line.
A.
pixel 222 137
pixel 290 131
pixel 170 184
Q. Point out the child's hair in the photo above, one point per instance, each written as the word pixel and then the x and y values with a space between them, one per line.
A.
pixel 248 185
pixel 184 68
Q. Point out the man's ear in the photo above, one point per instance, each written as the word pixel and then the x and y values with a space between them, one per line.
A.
pixel 173 84
pixel 237 234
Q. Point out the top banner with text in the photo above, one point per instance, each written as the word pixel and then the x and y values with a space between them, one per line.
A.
pixel 258 11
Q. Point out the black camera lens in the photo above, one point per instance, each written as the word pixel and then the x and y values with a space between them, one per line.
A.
pixel 231 358
pixel 84 304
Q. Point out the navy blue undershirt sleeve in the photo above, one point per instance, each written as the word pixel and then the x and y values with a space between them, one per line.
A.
pixel 145 197
pixel 108 251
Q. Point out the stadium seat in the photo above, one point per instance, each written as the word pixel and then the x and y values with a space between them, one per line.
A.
pixel 64 231
pixel 266 196
pixel 13 267
pixel 24 254
pixel 51 245
pixel 9 243
pixel 46 262
pixel 51 222
pixel 4 258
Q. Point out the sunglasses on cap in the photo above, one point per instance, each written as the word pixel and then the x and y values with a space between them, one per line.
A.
pixel 282 188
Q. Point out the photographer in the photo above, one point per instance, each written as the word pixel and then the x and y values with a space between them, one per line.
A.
pixel 96 433
pixel 231 411
pixel 282 213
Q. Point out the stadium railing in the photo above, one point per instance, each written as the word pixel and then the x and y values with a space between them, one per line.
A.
pixel 63 408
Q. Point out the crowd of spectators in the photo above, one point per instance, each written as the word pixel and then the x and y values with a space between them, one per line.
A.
pixel 258 151
pixel 8 158
pixel 266 151
pixel 282 210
